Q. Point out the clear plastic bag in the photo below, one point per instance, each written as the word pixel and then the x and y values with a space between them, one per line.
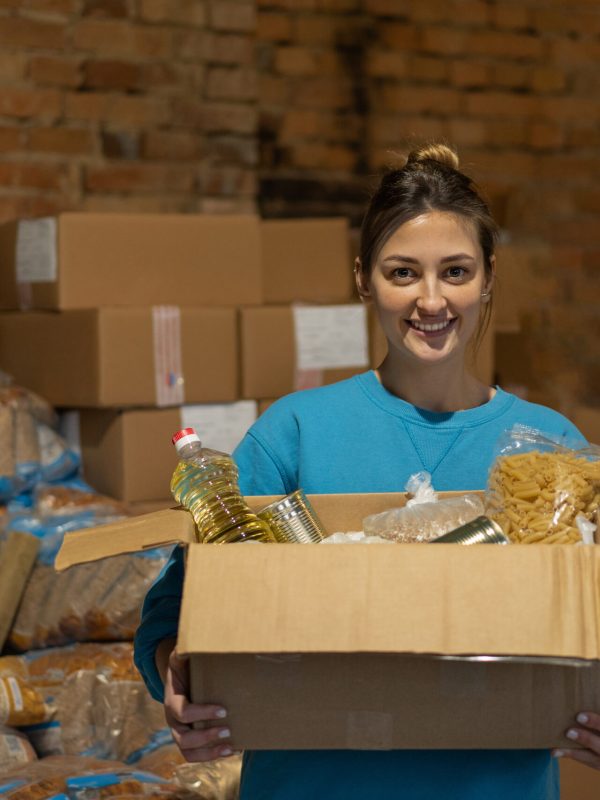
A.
pixel 542 490
pixel 423 518
pixel 15 749
pixel 211 780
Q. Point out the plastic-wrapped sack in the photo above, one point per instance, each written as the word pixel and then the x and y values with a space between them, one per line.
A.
pixel 89 602
pixel 212 780
pixel 423 518
pixel 100 706
pixel 15 749
pixel 77 778
pixel 21 703
pixel 541 490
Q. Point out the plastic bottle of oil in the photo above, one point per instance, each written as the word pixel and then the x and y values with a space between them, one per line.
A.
pixel 206 483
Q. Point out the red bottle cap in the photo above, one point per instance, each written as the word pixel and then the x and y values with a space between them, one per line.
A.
pixel 183 432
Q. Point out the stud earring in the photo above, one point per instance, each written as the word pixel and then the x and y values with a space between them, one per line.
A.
pixel 485 294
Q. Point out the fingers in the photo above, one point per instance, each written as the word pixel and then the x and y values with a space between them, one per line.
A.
pixel 202 745
pixel 588 737
pixel 583 756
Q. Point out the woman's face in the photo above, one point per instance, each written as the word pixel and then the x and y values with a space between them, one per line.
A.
pixel 426 286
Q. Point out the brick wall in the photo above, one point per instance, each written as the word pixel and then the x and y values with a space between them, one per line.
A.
pixel 347 85
pixel 294 107
pixel 145 105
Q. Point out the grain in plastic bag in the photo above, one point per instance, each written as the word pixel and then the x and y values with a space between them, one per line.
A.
pixel 15 749
pixel 542 490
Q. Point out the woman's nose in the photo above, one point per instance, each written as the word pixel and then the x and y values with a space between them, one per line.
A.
pixel 431 299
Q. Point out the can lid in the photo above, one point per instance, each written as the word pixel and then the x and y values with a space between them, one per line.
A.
pixel 183 437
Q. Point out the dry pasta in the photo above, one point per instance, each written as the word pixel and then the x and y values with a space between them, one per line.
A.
pixel 535 497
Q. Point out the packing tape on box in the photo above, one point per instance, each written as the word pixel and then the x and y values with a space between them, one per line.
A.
pixel 328 337
pixel 35 256
pixel 168 374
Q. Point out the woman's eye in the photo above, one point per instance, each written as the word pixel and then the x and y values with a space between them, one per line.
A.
pixel 402 273
pixel 456 272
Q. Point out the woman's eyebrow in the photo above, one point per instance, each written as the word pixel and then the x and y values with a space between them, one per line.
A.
pixel 410 260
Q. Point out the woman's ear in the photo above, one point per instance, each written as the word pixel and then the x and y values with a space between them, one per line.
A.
pixel 490 280
pixel 362 281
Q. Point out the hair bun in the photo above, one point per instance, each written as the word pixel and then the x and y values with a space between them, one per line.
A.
pixel 434 152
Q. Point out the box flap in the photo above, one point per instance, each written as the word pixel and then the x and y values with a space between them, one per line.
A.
pixel 170 526
pixel 537 601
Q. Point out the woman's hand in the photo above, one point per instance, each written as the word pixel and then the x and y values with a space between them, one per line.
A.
pixel 195 745
pixel 587 735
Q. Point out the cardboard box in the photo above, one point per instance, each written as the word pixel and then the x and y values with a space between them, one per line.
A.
pixel 86 260
pixel 279 356
pixel 578 781
pixel 307 260
pixel 114 357
pixel 115 445
pixel 377 647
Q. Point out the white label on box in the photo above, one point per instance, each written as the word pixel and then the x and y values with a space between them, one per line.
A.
pixel 36 250
pixel 168 373
pixel 329 337
pixel 220 426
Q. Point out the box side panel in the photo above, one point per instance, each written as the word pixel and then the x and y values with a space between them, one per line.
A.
pixel 53 354
pixel 152 259
pixel 209 352
pixel 148 457
pixel 267 351
pixel 382 702
pixel 307 260
pixel 101 438
pixel 126 363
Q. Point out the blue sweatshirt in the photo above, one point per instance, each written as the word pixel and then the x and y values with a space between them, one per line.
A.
pixel 354 436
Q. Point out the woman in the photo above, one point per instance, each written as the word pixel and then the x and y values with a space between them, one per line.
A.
pixel 427 265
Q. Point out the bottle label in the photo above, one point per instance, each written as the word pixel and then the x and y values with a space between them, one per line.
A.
pixel 168 374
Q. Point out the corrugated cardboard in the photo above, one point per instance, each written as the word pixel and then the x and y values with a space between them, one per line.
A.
pixel 141 259
pixel 105 357
pixel 268 354
pixel 578 781
pixel 372 647
pixel 307 260
pixel 115 446
pixel 17 557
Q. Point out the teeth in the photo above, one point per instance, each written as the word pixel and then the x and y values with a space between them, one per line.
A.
pixel 422 326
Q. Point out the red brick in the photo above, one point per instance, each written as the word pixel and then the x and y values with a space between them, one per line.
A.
pixel 299 125
pixel 34 176
pixel 511 15
pixel 552 20
pixel 507 133
pixel 391 130
pixel 385 8
pixel 546 136
pixel 469 74
pixel 446 40
pixel 501 104
pixel 230 49
pixel 156 75
pixel 431 11
pixel 55 71
pixel 182 12
pixel 510 75
pixel 121 38
pixel 505 45
pixel 214 117
pixel 566 108
pixel 324 93
pixel 123 75
pixel 273 26
pixel 159 203
pixel 230 84
pixel 386 64
pixel 295 61
pixel 470 12
pixel 227 180
pixel 16 32
pixel 412 99
pixel 509 163
pixel 15 207
pixel 400 35
pixel 87 105
pixel 138 110
pixel 587 201
pixel 70 141
pixel 466 132
pixel 582 133
pixel 232 15
pixel 13 66
pixel 226 205
pixel 340 6
pixel 40 103
pixel 105 8
pixel 11 139
pixel 548 79
pixel 234 149
pixel 137 178
pixel 191 45
pixel 584 52
pixel 316 30
pixel 314 155
pixel 568 167
pixel 63 8
pixel 120 144
pixel 427 70
pixel 273 90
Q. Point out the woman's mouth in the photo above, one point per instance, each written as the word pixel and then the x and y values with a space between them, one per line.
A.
pixel 430 329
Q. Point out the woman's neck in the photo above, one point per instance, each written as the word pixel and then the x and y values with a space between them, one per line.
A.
pixel 445 387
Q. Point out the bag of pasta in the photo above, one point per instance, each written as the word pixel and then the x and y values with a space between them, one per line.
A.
pixel 543 491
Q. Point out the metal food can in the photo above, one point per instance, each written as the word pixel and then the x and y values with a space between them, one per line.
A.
pixel 481 530
pixel 293 519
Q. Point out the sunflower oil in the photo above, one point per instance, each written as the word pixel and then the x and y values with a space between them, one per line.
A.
pixel 206 483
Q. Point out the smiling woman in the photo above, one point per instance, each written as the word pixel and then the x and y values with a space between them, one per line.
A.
pixel 427 266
